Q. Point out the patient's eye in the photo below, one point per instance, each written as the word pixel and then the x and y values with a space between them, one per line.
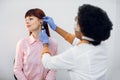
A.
pixel 31 18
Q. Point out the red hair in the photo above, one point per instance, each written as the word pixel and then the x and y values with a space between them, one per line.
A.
pixel 39 14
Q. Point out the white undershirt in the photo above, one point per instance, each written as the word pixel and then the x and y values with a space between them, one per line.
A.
pixel 83 62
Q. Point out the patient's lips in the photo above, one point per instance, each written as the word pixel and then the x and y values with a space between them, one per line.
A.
pixel 28 25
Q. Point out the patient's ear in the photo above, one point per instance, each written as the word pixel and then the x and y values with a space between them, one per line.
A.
pixel 41 22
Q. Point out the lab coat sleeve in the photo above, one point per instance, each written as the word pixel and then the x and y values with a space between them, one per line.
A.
pixel 61 61
pixel 18 66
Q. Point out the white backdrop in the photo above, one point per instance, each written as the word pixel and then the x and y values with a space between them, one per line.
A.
pixel 12 28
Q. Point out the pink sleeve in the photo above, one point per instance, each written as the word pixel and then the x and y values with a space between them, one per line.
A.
pixel 53 47
pixel 18 66
pixel 52 73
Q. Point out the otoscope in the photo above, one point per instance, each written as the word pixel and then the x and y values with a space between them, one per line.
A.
pixel 42 28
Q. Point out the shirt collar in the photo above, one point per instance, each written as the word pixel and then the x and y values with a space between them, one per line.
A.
pixel 32 39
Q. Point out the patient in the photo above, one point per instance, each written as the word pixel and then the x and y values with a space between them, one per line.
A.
pixel 28 65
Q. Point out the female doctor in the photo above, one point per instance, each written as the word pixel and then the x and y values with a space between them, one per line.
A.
pixel 88 59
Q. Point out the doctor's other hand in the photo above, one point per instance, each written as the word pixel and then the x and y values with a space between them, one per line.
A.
pixel 50 21
pixel 43 37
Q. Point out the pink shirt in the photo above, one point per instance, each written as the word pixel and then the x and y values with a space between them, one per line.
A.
pixel 28 65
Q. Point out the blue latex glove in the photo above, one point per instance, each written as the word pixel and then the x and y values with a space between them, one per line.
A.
pixel 50 21
pixel 44 37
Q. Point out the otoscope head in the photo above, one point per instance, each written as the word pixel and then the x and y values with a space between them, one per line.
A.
pixel 42 27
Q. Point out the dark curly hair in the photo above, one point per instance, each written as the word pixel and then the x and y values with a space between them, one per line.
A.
pixel 94 23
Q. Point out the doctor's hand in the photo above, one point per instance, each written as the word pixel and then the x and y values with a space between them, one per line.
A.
pixel 50 21
pixel 43 37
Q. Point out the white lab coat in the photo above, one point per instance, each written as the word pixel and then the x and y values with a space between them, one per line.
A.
pixel 83 62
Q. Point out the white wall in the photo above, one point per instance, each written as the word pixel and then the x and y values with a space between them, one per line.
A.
pixel 116 58
pixel 12 28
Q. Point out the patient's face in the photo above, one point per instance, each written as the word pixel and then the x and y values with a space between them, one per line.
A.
pixel 32 23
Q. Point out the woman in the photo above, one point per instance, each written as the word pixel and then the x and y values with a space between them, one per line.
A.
pixel 28 65
pixel 88 59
